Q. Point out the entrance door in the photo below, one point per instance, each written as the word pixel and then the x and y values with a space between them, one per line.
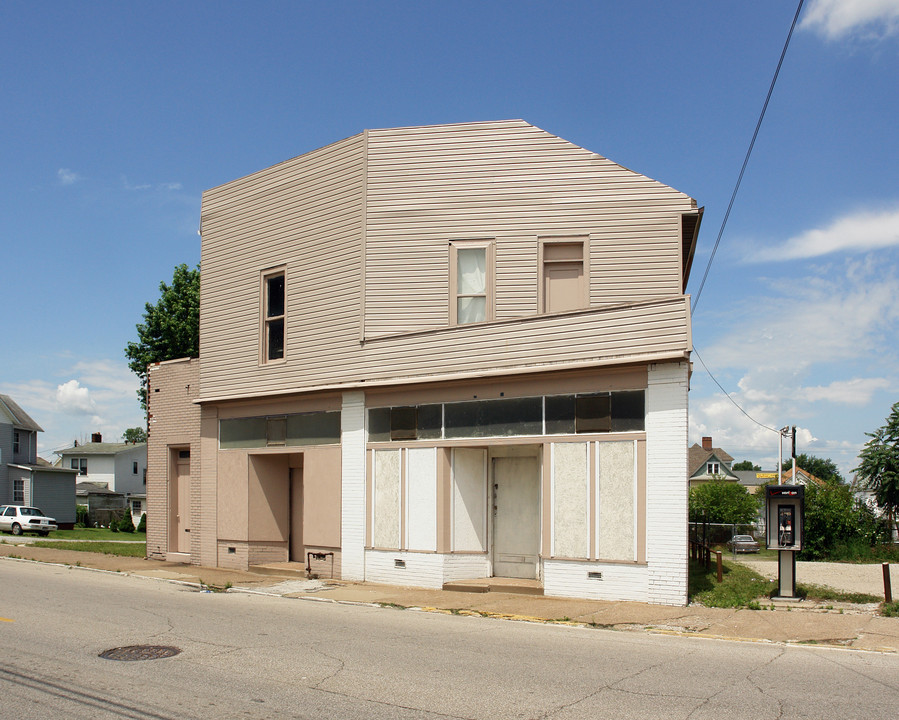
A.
pixel 297 552
pixel 179 499
pixel 516 517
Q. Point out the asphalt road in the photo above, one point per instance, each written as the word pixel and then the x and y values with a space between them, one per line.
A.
pixel 251 656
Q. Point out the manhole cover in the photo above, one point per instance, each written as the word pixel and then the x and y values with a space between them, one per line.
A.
pixel 140 652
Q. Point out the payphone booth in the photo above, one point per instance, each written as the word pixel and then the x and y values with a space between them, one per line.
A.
pixel 784 507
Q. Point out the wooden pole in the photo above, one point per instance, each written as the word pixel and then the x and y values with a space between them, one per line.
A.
pixel 887 589
pixel 720 566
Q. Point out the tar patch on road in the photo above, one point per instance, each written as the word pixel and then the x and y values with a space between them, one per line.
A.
pixel 140 652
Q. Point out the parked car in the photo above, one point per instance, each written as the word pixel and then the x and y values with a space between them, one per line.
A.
pixel 743 543
pixel 19 519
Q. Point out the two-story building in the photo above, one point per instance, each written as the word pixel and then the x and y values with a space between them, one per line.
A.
pixel 25 479
pixel 439 353
pixel 110 474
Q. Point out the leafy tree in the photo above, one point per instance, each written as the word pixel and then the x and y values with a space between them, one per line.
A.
pixel 722 501
pixel 134 435
pixel 171 327
pixel 822 468
pixel 878 468
pixel 745 465
pixel 835 521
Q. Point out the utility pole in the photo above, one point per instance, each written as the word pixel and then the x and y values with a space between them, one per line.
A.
pixel 784 431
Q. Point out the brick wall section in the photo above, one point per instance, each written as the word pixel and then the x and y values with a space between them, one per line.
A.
pixel 174 422
pixel 666 483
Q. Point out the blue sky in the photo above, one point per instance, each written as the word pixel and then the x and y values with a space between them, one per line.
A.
pixel 117 115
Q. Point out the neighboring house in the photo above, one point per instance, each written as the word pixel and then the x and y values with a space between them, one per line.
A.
pixel 754 480
pixel 26 479
pixel 802 478
pixel 709 463
pixel 119 467
pixel 439 353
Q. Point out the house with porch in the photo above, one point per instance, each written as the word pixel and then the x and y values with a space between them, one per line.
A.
pixel 434 354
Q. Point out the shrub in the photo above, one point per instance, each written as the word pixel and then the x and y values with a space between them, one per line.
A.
pixel 142 525
pixel 126 524
pixel 81 515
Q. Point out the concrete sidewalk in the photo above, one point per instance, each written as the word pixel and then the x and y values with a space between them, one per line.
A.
pixel 842 625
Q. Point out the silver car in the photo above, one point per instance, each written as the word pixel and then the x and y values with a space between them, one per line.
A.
pixel 743 543
pixel 19 519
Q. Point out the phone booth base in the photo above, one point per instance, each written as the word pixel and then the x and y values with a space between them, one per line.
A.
pixel 786 576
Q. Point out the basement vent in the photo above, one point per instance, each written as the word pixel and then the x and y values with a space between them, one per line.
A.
pixel 232 550
pixel 399 563
pixel 594 575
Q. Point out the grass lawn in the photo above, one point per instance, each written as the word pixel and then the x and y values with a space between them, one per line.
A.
pixel 743 587
pixel 97 535
pixel 131 549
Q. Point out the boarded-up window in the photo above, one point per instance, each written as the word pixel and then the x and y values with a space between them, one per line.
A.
pixel 564 285
pixel 469 500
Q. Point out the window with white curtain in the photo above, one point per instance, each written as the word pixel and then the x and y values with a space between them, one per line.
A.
pixel 471 271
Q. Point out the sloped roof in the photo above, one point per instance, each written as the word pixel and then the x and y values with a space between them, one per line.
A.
pixel 100 448
pixel 697 457
pixel 804 477
pixel 94 488
pixel 21 419
pixel 750 478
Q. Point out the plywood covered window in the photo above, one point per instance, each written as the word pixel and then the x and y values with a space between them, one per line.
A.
pixel 471 281
pixel 563 277
pixel 273 316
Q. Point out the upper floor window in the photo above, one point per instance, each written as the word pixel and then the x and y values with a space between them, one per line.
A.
pixel 273 316
pixel 134 467
pixel 471 268
pixel 15 441
pixel 79 464
pixel 563 278
pixel 712 468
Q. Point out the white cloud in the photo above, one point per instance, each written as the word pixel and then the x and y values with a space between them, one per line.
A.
pixel 840 313
pixel 857 391
pixel 74 399
pixel 869 19
pixel 858 232
pixel 67 177
pixel 166 186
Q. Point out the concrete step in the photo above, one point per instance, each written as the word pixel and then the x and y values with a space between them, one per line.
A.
pixel 280 568
pixel 517 586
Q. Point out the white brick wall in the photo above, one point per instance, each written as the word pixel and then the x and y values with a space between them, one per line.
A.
pixel 565 578
pixel 666 483
pixel 421 570
pixel 465 567
pixel 352 450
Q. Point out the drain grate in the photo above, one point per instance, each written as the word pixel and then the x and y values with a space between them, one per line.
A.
pixel 140 652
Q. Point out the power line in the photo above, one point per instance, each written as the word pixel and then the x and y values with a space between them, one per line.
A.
pixel 746 159
pixel 727 394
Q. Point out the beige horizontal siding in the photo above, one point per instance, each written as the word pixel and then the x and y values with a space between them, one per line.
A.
pixel 395 203
pixel 505 181
pixel 306 215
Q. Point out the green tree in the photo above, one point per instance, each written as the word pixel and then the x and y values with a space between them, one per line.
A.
pixel 722 501
pixel 134 435
pixel 878 468
pixel 834 521
pixel 822 468
pixel 745 465
pixel 171 327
